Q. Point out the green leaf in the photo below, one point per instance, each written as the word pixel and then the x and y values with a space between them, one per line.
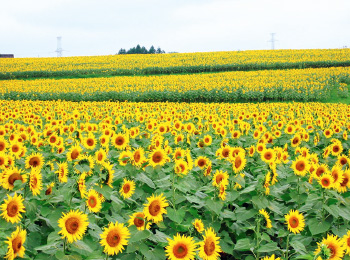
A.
pixel 269 247
pixel 143 178
pixel 243 244
pixel 305 257
pixel 140 235
pixel 298 247
pixel 176 215
pixel 81 245
pixel 318 227
pixel 214 206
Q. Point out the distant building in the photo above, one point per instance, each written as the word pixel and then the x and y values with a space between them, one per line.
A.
pixel 7 56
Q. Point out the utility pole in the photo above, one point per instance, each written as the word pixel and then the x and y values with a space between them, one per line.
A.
pixel 272 41
pixel 59 48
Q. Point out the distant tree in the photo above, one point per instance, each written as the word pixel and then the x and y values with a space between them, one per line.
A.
pixel 152 50
pixel 159 51
pixel 122 51
pixel 141 50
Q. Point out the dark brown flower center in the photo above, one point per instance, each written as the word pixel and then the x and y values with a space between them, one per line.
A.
pixel 139 220
pixel 294 222
pixel 300 166
pixel 154 208
pixel 157 157
pixel 14 177
pixel 113 238
pixel 12 209
pixel 16 244
pixel 180 250
pixel 209 246
pixel 92 202
pixel 34 161
pixel 72 225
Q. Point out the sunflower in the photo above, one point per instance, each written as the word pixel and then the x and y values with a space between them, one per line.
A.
pixel 346 182
pixel 223 152
pixel 251 150
pixel 238 162
pixel 3 161
pixel 93 201
pixel 346 242
pixel 328 133
pixel 300 166
pixel 209 248
pixel 267 218
pixel 49 188
pixel 100 156
pixel 138 156
pixel 73 225
pixel 326 181
pixel 222 190
pixel 89 142
pixel 114 238
pixel 108 168
pixel 201 162
pixel 198 224
pixel 127 189
pixel 296 140
pixel 138 219
pixel 207 139
pixel 34 160
pixel 15 244
pixel 124 157
pixel 268 155
pixel 74 152
pixel 295 221
pixel 334 244
pixel 12 208
pixel 3 144
pixel 157 157
pixel 337 174
pixel 62 172
pixel 120 141
pixel 181 247
pixel 220 176
pixel 35 181
pixel 271 258
pixel 11 175
pixel 155 208
pixel 181 167
pixel 343 160
pixel 82 185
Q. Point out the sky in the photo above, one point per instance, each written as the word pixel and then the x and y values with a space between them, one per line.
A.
pixel 29 28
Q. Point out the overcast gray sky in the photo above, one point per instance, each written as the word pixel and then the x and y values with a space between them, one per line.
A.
pixel 28 28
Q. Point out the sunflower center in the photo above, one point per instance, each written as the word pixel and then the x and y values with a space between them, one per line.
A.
pixel 15 148
pixel 12 209
pixel 16 244
pixel 219 179
pixel 300 166
pixel 157 157
pixel 335 176
pixel 34 161
pixel 113 238
pixel 100 157
pixel 72 225
pixel 2 146
pixel 268 156
pixel 295 140
pixel 209 247
pixel 138 220
pixel 325 182
pixel 332 249
pixel 14 177
pixel 90 142
pixel 225 153
pixel 320 171
pixel 343 161
pixel 75 154
pixel 137 157
pixel 34 181
pixel 180 250
pixel 92 202
pixel 2 161
pixel 48 191
pixel 201 163
pixel 336 148
pixel 206 140
pixel 119 140
pixel 126 188
pixel 294 222
pixel 154 208
pixel 348 241
pixel 238 162
pixel 345 182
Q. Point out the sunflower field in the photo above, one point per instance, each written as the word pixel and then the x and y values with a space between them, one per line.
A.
pixel 167 180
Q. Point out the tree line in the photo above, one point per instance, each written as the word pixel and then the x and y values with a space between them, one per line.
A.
pixel 141 50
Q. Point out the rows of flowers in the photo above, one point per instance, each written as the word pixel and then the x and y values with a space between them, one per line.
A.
pixel 172 63
pixel 296 84
pixel 172 180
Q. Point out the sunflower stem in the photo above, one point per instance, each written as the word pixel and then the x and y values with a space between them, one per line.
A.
pixel 257 239
pixel 173 187
pixel 106 256
pixel 287 248
pixel 64 245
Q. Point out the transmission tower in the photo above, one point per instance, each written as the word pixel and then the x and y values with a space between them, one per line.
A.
pixel 59 48
pixel 272 41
